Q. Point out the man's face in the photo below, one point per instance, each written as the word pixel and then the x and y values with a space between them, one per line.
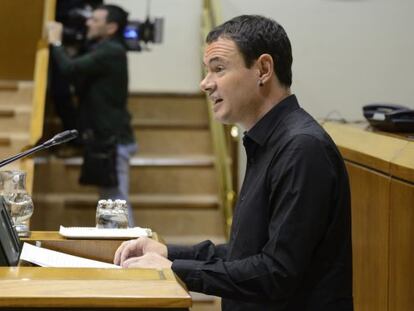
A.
pixel 231 86
pixel 97 26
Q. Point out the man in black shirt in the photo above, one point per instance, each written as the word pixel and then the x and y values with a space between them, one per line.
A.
pixel 290 244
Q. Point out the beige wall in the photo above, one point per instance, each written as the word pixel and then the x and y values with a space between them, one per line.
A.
pixel 347 53
pixel 173 66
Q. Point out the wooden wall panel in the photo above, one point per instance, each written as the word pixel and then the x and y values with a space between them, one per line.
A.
pixel 401 246
pixel 382 214
pixel 370 199
pixel 20 30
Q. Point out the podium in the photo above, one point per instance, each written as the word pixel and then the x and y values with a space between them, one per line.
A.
pixel 381 173
pixel 29 288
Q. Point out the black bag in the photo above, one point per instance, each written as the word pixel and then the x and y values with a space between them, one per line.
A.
pixel 99 164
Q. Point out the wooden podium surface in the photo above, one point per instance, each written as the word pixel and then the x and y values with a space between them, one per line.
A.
pixel 381 173
pixel 88 288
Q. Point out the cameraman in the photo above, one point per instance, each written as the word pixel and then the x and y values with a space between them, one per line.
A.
pixel 100 77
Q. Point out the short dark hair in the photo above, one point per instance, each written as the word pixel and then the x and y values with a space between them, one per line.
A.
pixel 115 15
pixel 255 35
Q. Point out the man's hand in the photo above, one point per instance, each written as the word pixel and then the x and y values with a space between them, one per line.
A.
pixel 137 248
pixel 150 261
pixel 54 32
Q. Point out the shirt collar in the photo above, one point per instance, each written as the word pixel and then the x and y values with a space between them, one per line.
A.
pixel 262 130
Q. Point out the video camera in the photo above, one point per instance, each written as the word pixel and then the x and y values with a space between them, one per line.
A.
pixel 74 14
pixel 148 31
pixel 74 25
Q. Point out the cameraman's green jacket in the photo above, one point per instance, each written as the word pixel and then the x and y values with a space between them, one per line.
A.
pixel 101 82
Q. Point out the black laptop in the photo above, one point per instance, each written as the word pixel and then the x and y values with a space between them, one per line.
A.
pixel 10 245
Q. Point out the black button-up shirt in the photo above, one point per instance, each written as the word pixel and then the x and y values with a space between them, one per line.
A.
pixel 290 245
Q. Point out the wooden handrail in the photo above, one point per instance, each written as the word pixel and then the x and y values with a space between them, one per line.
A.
pixel 39 92
pixel 40 77
pixel 211 18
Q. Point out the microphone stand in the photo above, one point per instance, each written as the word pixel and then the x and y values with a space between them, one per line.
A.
pixel 56 140
pixel 21 155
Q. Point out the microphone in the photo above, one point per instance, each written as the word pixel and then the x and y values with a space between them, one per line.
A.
pixel 56 140
pixel 61 138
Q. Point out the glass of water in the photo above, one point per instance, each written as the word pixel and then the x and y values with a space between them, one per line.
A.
pixel 17 201
pixel 111 214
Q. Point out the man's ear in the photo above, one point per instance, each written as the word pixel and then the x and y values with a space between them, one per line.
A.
pixel 265 64
pixel 111 28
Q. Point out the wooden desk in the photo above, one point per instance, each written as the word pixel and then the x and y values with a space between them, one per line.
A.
pixel 381 172
pixel 86 288
pixel 102 250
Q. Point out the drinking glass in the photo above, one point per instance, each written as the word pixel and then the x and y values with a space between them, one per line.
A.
pixel 111 214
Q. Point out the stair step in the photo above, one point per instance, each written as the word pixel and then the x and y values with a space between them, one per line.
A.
pixel 174 141
pixel 9 85
pixel 169 124
pixel 12 143
pixel 5 141
pixel 168 107
pixel 177 160
pixel 6 113
pixel 143 160
pixel 181 175
pixel 55 125
pixel 16 93
pixel 180 201
pixel 156 137
pixel 15 118
pixel 141 201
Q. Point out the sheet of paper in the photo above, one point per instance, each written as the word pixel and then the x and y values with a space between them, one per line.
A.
pixel 93 232
pixel 48 258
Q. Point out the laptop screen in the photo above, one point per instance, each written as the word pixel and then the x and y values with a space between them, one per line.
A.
pixel 10 246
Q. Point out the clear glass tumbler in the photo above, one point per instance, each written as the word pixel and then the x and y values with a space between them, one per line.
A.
pixel 111 214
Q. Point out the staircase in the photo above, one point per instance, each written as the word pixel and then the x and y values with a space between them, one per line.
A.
pixel 15 114
pixel 173 183
pixel 173 178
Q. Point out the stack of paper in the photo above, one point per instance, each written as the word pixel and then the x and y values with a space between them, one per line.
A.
pixel 47 258
pixel 92 232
